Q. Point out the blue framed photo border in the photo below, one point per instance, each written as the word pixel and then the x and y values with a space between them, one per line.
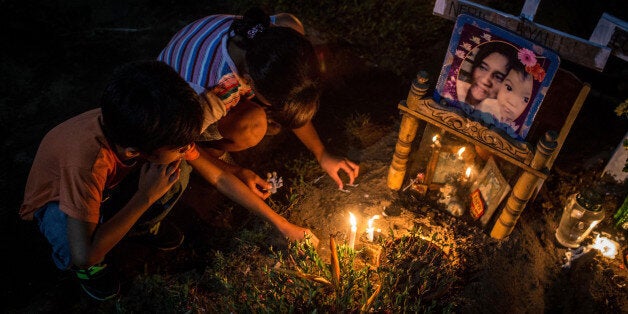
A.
pixel 473 32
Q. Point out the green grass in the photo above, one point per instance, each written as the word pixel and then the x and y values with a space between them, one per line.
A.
pixel 411 275
pixel 410 278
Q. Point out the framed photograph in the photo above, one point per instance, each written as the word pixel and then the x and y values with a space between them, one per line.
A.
pixel 493 188
pixel 448 166
pixel 495 76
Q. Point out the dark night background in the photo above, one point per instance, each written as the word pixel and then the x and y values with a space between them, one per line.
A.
pixel 57 55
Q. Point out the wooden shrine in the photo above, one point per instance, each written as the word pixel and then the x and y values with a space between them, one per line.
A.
pixel 533 157
pixel 562 105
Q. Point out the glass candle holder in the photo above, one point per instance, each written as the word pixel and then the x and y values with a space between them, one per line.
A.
pixel 581 214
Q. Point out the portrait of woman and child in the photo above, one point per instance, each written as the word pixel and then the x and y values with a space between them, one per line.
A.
pixel 495 76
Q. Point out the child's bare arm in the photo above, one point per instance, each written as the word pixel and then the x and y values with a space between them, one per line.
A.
pixel 235 190
pixel 330 163
pixel 255 183
pixel 89 242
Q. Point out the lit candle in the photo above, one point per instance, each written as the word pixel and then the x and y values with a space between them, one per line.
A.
pixel 606 246
pixel 467 176
pixel 354 230
pixel 435 140
pixel 431 165
pixel 370 230
pixel 460 151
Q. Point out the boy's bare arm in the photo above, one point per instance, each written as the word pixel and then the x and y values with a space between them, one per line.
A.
pixel 235 190
pixel 90 242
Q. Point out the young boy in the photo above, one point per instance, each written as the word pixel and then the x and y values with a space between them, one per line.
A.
pixel 148 120
pixel 81 190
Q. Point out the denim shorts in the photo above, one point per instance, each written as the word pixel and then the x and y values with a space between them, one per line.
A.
pixel 53 223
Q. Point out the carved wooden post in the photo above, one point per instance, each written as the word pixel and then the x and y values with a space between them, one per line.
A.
pixel 524 188
pixel 407 132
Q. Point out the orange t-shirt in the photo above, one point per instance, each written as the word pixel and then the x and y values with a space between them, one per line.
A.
pixel 73 166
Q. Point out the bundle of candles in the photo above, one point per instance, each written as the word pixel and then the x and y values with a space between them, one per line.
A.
pixel 370 230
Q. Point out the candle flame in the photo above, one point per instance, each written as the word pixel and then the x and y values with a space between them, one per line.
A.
pixel 461 150
pixel 468 172
pixel 434 138
pixel 606 246
pixel 370 222
pixel 352 220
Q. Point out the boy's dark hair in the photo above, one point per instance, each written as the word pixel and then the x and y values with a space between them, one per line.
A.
pixel 147 105
pixel 283 66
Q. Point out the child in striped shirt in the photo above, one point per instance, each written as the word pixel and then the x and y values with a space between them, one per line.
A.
pixel 259 58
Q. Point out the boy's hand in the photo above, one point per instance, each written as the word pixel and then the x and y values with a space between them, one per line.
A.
pixel 332 164
pixel 254 182
pixel 156 180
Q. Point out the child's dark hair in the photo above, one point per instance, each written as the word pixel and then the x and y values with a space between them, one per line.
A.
pixel 147 105
pixel 283 66
pixel 520 68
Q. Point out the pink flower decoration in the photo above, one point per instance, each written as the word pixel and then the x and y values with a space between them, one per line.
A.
pixel 526 57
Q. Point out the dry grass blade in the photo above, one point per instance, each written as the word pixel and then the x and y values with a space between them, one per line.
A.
pixel 313 278
pixel 369 302
pixel 294 264
pixel 335 264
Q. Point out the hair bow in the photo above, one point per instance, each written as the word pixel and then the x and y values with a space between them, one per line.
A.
pixel 251 33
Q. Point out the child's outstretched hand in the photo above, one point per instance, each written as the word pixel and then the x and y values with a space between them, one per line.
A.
pixel 254 182
pixel 296 233
pixel 332 164
pixel 156 180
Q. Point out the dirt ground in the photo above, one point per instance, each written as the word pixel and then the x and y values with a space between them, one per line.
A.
pixel 359 119
pixel 522 273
